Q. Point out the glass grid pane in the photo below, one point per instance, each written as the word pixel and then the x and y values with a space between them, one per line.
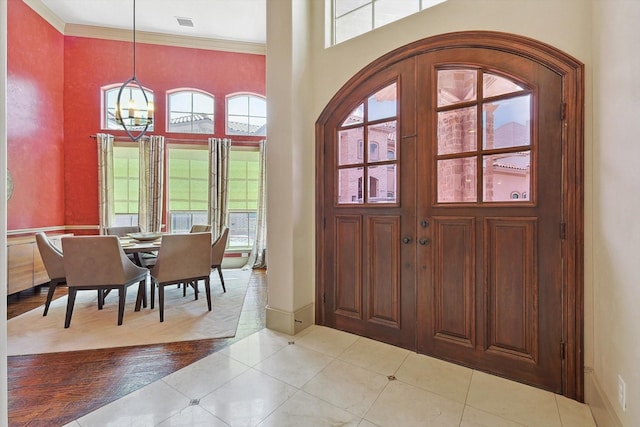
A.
pixel 350 186
pixel 457 131
pixel 382 141
pixel 383 104
pixel 382 184
pixel 351 146
pixel 356 116
pixel 507 177
pixel 457 180
pixel 493 85
pixel 455 86
pixel 507 123
pixel 353 24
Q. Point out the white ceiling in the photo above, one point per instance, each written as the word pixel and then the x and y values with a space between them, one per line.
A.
pixel 237 20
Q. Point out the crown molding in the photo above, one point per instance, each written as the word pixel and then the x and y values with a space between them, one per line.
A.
pixel 106 33
pixel 164 39
pixel 46 14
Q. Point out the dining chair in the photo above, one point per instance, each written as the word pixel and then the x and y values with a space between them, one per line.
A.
pixel 217 253
pixel 182 258
pixel 52 259
pixel 196 228
pixel 98 262
pixel 145 259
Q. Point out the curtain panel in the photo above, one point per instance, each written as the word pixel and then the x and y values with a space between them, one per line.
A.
pixel 218 183
pixel 105 181
pixel 151 183
pixel 258 256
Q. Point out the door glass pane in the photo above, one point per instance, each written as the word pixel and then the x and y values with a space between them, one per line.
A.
pixel 382 141
pixel 383 104
pixel 356 116
pixel 350 185
pixel 455 86
pixel 507 177
pixel 457 131
pixel 493 85
pixel 457 180
pixel 382 184
pixel 350 145
pixel 507 123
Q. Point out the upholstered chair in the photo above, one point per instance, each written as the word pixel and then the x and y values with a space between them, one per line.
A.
pixel 182 258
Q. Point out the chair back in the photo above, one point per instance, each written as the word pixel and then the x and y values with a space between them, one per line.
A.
pixel 96 260
pixel 200 229
pixel 218 248
pixel 182 256
pixel 51 256
pixel 121 231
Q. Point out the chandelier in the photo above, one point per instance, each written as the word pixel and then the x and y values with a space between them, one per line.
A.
pixel 131 117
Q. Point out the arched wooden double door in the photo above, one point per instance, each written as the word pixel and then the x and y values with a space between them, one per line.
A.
pixel 449 206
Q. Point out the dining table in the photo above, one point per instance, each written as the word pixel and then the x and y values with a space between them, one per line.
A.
pixel 138 248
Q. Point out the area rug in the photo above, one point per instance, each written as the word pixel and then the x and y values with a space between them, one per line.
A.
pixel 185 319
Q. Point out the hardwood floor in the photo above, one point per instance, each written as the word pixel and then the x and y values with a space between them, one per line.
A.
pixel 56 388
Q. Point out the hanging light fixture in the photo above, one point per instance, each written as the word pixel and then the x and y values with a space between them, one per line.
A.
pixel 131 117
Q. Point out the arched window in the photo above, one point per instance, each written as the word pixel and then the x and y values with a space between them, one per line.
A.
pixel 190 111
pixel 110 96
pixel 246 115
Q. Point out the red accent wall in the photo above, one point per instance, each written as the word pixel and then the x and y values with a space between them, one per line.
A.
pixel 35 77
pixel 54 99
pixel 93 63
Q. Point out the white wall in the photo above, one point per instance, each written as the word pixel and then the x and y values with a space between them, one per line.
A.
pixel 615 227
pixel 3 213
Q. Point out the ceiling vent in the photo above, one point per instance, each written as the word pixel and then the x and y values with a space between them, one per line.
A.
pixel 184 22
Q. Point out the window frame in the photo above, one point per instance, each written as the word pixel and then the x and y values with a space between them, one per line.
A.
pixel 249 96
pixel 105 91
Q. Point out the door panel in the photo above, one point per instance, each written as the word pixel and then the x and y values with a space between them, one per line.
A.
pixel 495 159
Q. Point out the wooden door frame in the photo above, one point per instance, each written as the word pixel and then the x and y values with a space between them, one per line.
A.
pixel 572 73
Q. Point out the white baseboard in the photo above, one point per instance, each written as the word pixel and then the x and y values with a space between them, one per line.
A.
pixel 288 322
pixel 601 408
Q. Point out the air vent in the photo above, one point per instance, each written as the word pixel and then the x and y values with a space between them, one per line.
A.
pixel 184 22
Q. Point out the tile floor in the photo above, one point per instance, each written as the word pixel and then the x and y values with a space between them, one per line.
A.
pixel 325 377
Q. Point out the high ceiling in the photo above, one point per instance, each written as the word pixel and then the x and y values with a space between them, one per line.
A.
pixel 237 20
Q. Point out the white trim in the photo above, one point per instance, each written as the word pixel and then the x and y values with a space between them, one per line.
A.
pixel 601 408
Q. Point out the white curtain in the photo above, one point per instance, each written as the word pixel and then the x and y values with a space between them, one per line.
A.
pixel 218 183
pixel 105 181
pixel 151 183
pixel 258 255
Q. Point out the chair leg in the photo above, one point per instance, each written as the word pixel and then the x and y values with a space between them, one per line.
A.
pixel 153 293
pixel 71 299
pixel 221 278
pixel 207 290
pixel 141 298
pixel 122 296
pixel 161 301
pixel 194 285
pixel 52 289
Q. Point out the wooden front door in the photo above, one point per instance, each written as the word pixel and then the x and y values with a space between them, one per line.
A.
pixel 446 209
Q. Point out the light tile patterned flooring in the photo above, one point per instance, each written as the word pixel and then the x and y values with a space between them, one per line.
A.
pixel 325 377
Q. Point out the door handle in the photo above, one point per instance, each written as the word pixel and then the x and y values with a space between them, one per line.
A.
pixel 406 240
pixel 424 223
pixel 424 241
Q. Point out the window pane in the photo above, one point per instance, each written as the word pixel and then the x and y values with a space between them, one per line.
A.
pixel 125 180
pixel 350 146
pixel 493 85
pixel 350 185
pixel 238 105
pixel 507 123
pixel 257 106
pixel 455 86
pixel 382 184
pixel 109 109
pixel 202 103
pixel 383 104
pixel 344 6
pixel 188 179
pixel 382 141
pixel 356 116
pixel 457 180
pixel 457 131
pixel 180 101
pixel 353 24
pixel 507 177
pixel 387 11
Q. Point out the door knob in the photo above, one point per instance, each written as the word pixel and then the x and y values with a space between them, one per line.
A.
pixel 424 241
pixel 424 223
pixel 406 240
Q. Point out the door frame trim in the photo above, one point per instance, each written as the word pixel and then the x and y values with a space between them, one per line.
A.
pixel 572 73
